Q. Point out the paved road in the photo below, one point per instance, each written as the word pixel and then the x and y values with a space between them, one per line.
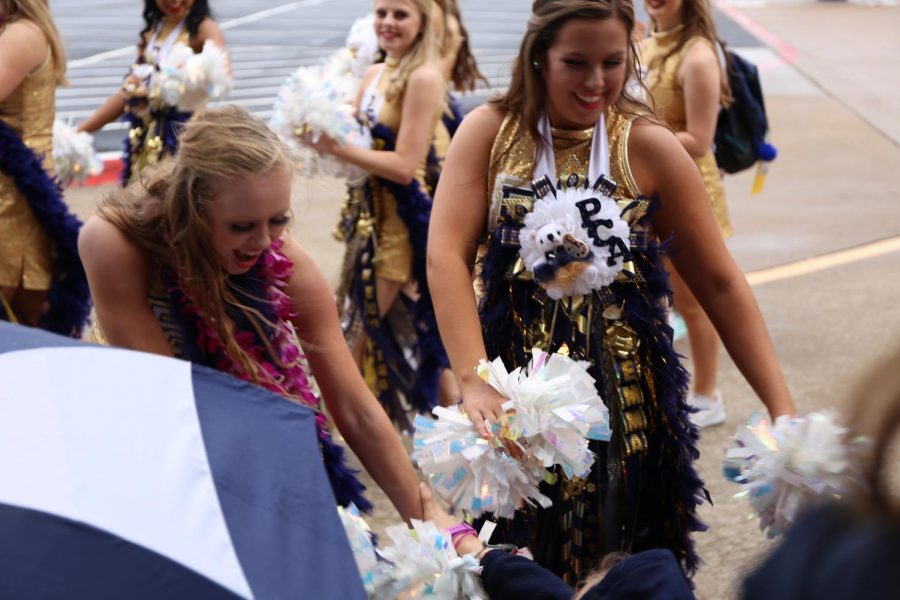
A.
pixel 267 40
pixel 834 118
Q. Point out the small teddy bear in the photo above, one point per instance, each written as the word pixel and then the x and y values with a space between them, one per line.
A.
pixel 549 238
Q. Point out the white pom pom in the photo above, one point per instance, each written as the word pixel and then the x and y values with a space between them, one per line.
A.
pixel 316 100
pixel 553 408
pixel 73 154
pixel 471 473
pixel 362 44
pixel 425 564
pixel 785 468
pixel 188 81
pixel 420 562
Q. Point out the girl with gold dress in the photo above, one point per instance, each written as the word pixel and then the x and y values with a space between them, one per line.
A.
pixel 386 305
pixel 42 282
pixel 688 89
pixel 153 125
pixel 610 184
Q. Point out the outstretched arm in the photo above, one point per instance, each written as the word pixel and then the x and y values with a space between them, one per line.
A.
pixel 458 221
pixel 109 111
pixel 661 166
pixel 358 415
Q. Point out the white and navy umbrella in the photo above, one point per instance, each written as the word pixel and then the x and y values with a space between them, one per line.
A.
pixel 129 475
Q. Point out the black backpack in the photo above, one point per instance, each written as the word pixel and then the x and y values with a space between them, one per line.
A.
pixel 741 128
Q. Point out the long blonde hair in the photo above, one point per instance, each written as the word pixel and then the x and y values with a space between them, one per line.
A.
pixel 165 214
pixel 697 21
pixel 527 94
pixel 424 51
pixel 38 12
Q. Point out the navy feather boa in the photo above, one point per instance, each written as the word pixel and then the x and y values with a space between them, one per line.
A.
pixel 69 298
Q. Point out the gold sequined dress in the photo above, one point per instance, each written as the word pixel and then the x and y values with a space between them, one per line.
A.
pixel 385 226
pixel 26 259
pixel 668 97
pixel 642 490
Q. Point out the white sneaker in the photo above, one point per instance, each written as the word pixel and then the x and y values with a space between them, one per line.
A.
pixel 710 410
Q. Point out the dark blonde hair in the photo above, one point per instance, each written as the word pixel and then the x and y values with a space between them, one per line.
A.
pixel 527 91
pixel 697 21
pixel 38 12
pixel 165 213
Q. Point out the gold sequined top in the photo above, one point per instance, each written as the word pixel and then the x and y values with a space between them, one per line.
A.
pixel 25 254
pixel 512 158
pixel 31 108
pixel 668 97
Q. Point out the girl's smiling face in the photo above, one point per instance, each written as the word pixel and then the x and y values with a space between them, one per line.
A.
pixel 247 214
pixel 397 25
pixel 584 71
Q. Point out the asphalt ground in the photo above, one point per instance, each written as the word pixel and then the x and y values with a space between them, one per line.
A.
pixel 830 76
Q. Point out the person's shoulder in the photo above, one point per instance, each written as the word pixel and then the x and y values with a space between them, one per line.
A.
pixel 426 75
pixel 699 51
pixel 650 140
pixel 103 244
pixel 208 31
pixel 208 26
pixel 481 125
pixel 25 30
pixel 488 117
pixel 27 43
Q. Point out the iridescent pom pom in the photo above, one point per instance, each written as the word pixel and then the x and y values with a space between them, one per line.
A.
pixel 553 409
pixel 420 562
pixel 789 466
